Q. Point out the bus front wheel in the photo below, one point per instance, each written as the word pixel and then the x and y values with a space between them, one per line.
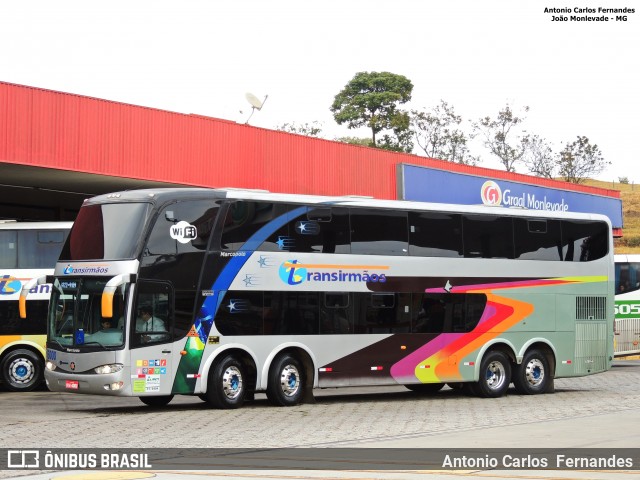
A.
pixel 495 375
pixel 533 375
pixel 22 370
pixel 285 385
pixel 226 387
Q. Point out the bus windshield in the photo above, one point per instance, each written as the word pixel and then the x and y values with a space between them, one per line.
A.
pixel 106 232
pixel 75 315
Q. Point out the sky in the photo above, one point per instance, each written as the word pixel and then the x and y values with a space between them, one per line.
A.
pixel 203 57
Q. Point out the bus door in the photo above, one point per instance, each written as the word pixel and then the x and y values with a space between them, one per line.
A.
pixel 151 339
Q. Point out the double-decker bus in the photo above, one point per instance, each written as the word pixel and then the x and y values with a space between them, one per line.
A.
pixel 222 293
pixel 627 311
pixel 27 250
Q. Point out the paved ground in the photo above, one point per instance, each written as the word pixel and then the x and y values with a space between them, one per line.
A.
pixel 596 411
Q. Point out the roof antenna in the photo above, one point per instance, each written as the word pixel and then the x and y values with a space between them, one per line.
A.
pixel 256 104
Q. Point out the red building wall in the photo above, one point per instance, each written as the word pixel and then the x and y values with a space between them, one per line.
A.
pixel 44 128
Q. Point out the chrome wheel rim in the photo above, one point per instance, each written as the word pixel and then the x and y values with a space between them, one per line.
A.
pixel 495 376
pixel 290 380
pixel 534 372
pixel 232 382
pixel 21 371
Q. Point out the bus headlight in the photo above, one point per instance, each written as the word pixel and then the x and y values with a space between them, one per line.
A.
pixel 104 369
pixel 50 366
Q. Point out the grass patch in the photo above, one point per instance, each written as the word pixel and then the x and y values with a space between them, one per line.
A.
pixel 630 196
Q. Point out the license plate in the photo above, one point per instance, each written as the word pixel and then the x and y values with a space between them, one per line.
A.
pixel 71 384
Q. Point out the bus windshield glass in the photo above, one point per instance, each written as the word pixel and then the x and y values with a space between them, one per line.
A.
pixel 75 315
pixel 106 232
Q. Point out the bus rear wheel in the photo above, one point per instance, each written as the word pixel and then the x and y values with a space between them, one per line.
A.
pixel 156 402
pixel 226 388
pixel 495 375
pixel 533 375
pixel 286 382
pixel 22 370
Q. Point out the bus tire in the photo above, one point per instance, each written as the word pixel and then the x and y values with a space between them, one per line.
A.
pixel 533 375
pixel 425 388
pixel 226 388
pixel 156 402
pixel 22 370
pixel 495 375
pixel 286 382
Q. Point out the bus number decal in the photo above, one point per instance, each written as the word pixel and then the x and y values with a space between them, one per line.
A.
pixel 627 309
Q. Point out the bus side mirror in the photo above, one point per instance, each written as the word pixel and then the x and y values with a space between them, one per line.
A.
pixel 24 293
pixel 106 302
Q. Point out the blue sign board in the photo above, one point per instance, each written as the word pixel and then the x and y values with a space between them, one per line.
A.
pixel 440 186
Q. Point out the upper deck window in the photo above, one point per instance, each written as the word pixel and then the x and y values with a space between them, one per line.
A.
pixel 106 232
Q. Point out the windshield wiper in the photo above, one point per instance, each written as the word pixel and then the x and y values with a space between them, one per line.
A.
pixel 92 342
pixel 58 342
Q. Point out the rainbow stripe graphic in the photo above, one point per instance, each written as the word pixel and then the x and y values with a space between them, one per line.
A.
pixel 439 360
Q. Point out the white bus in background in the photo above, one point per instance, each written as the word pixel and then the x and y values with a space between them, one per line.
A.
pixel 27 250
pixel 627 323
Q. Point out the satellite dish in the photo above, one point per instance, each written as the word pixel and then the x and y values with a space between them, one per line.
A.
pixel 255 102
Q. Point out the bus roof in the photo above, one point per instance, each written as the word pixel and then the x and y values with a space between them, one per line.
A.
pixel 164 195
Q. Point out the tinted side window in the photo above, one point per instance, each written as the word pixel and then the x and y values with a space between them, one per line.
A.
pixel 322 230
pixel 34 324
pixel 240 313
pixel 434 234
pixel 9 249
pixel 291 313
pixel 178 242
pixel 336 315
pixel 487 236
pixel 584 241
pixel 447 313
pixel 257 226
pixel 379 232
pixel 537 239
pixel 382 312
pixel 40 249
pixel 627 277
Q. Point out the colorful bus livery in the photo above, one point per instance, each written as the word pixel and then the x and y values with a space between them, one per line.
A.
pixel 224 293
pixel 27 250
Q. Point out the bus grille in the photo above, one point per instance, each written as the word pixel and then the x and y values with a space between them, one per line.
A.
pixel 591 308
pixel 591 347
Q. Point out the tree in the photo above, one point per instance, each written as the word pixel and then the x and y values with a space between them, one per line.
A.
pixel 580 160
pixel 436 134
pixel 313 129
pixel 499 138
pixel 364 142
pixel 539 157
pixel 371 99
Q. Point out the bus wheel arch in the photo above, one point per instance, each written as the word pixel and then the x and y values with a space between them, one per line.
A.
pixel 22 369
pixel 231 379
pixel 290 378
pixel 536 373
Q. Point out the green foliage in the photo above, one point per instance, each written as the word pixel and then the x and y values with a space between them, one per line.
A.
pixel 313 129
pixel 580 160
pixel 539 157
pixel 371 100
pixel 437 135
pixel 364 142
pixel 502 138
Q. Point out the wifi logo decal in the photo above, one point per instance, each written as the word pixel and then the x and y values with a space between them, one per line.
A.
pixel 491 193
